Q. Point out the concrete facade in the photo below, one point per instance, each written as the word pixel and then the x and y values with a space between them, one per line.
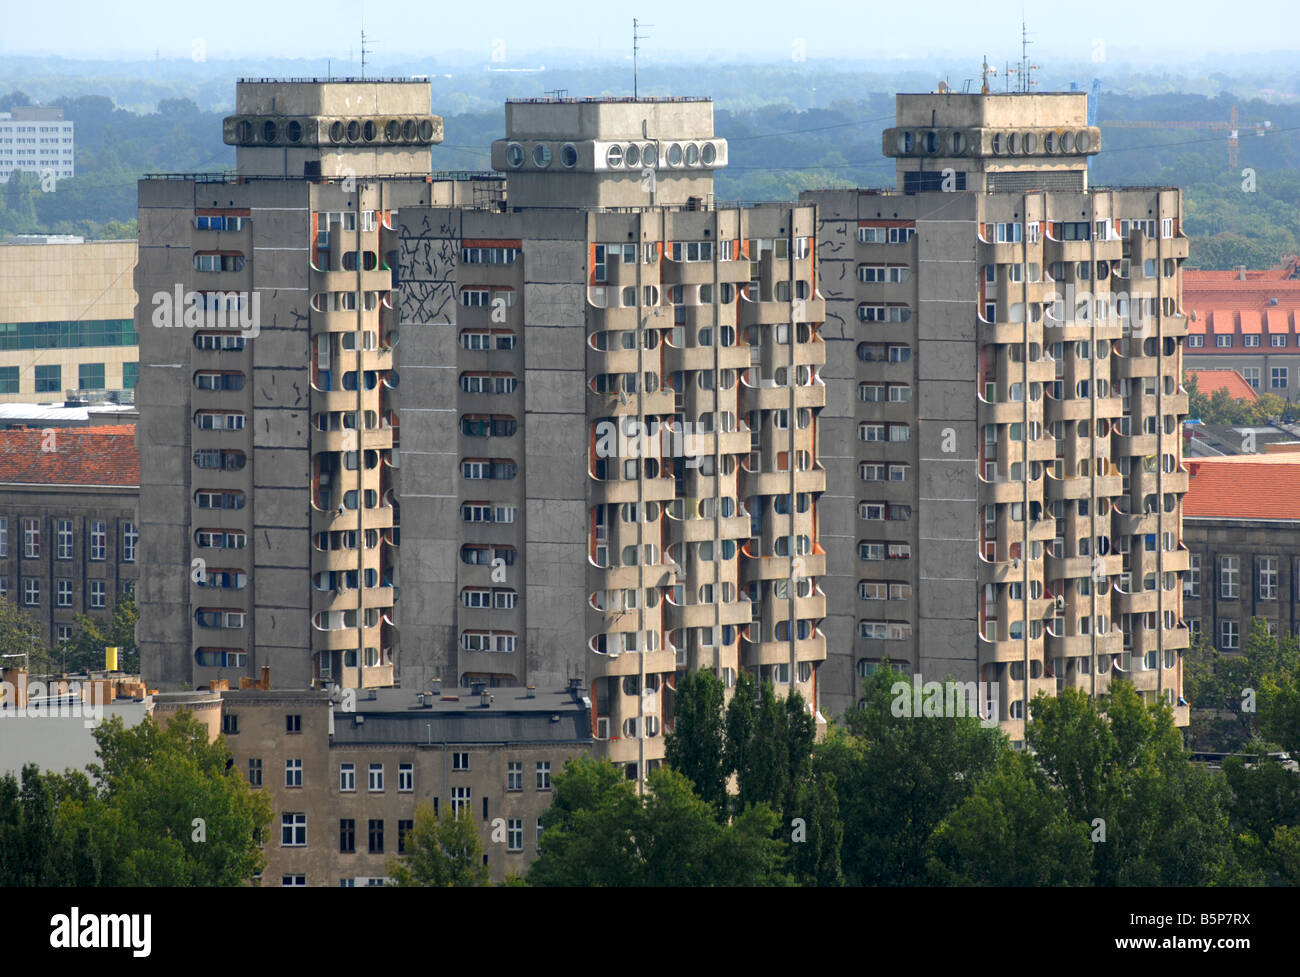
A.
pixel 1013 448
pixel 36 139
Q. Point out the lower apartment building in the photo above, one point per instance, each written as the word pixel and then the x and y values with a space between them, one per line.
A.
pixel 69 533
pixel 1241 523
pixel 345 777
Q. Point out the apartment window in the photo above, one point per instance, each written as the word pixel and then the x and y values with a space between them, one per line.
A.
pixel 293 880
pixel 404 828
pixel 32 539
pixel 515 834
pixel 293 830
pixel 543 775
pixel 1229 635
pixel 514 775
pixel 63 594
pixel 1250 340
pixel 293 773
pixel 1223 341
pixel 376 782
pixel 255 772
pixel 31 592
pixel 1251 375
pixel 130 538
pixel 293 724
pixel 1196 342
pixel 130 375
pixel 63 539
pixel 347 777
pixel 1192 582
pixel 4 537
pixel 405 778
pixel 1268 578
pixel 376 836
pixel 347 835
pixel 1278 377
pixel 1228 571
pixel 230 724
pixel 1276 339
pixel 460 798
pixel 8 380
pixel 98 540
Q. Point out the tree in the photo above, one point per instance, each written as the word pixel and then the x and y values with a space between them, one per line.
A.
pixel 897 778
pixel 20 639
pixel 1013 830
pixel 85 651
pixel 1232 689
pixel 442 850
pixel 598 832
pixel 695 748
pixel 1120 767
pixel 1265 801
pixel 166 809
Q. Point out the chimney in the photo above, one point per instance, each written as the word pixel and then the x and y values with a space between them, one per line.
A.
pixel 266 678
pixel 1241 273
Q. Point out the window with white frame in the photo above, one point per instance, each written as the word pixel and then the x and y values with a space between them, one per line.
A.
pixel 1268 578
pixel 293 830
pixel 376 781
pixel 1229 567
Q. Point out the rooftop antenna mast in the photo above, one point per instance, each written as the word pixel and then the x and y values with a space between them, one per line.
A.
pixel 1026 74
pixel 637 38
pixel 364 52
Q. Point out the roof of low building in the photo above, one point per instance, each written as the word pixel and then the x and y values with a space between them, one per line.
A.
pixel 100 456
pixel 1243 487
pixel 1210 381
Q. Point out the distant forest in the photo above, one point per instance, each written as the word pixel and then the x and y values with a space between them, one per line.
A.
pixel 1247 215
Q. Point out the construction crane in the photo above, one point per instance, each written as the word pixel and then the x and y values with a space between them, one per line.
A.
pixel 1232 127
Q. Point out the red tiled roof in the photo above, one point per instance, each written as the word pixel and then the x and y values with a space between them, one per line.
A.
pixel 1208 381
pixel 103 455
pixel 1258 487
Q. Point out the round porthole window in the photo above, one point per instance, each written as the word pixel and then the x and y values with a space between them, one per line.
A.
pixel 569 155
pixel 409 130
pixel 632 155
pixel 515 154
pixel 1030 141
pixel 294 131
pixel 692 155
pixel 1083 140
pixel 708 154
pixel 393 130
pixel 354 130
pixel 1049 143
pixel 997 144
pixel 244 131
pixel 426 130
pixel 369 130
pixel 1013 144
pixel 958 143
pixel 269 131
pixel 1067 142
pixel 542 155
pixel 906 142
pixel 932 142
pixel 674 154
pixel 614 156
pixel 336 132
pixel 649 154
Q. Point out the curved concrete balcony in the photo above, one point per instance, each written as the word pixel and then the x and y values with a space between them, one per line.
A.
pixel 1141 602
pixel 779 567
pixel 690 272
pixel 1134 524
pixel 1075 251
pixel 999 333
pixel 1082 645
pixel 778 398
pixel 620 361
pixel 778 483
pixel 703 358
pixel 372 439
pixel 1137 444
pixel 342 559
pixel 736 612
pixel 632 578
pixel 349 600
pixel 630 663
pixel 1004 491
pixel 1066 409
pixel 778 652
pixel 1005 412
pixel 342 639
pixel 699 530
pixel 1177 561
pixel 333 521
pixel 1007 649
pixel 615 317
pixel 611 491
pixel 1175 403
pixel 1133 367
pixel 1044 450
pixel 375 280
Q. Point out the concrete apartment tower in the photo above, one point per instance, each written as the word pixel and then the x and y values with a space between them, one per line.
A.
pixel 609 385
pixel 1010 346
pixel 267 435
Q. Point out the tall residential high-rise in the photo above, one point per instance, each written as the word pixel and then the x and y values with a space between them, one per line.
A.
pixel 1003 421
pixel 609 385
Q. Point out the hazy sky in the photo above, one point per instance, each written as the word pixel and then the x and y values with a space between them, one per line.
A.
pixel 524 32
